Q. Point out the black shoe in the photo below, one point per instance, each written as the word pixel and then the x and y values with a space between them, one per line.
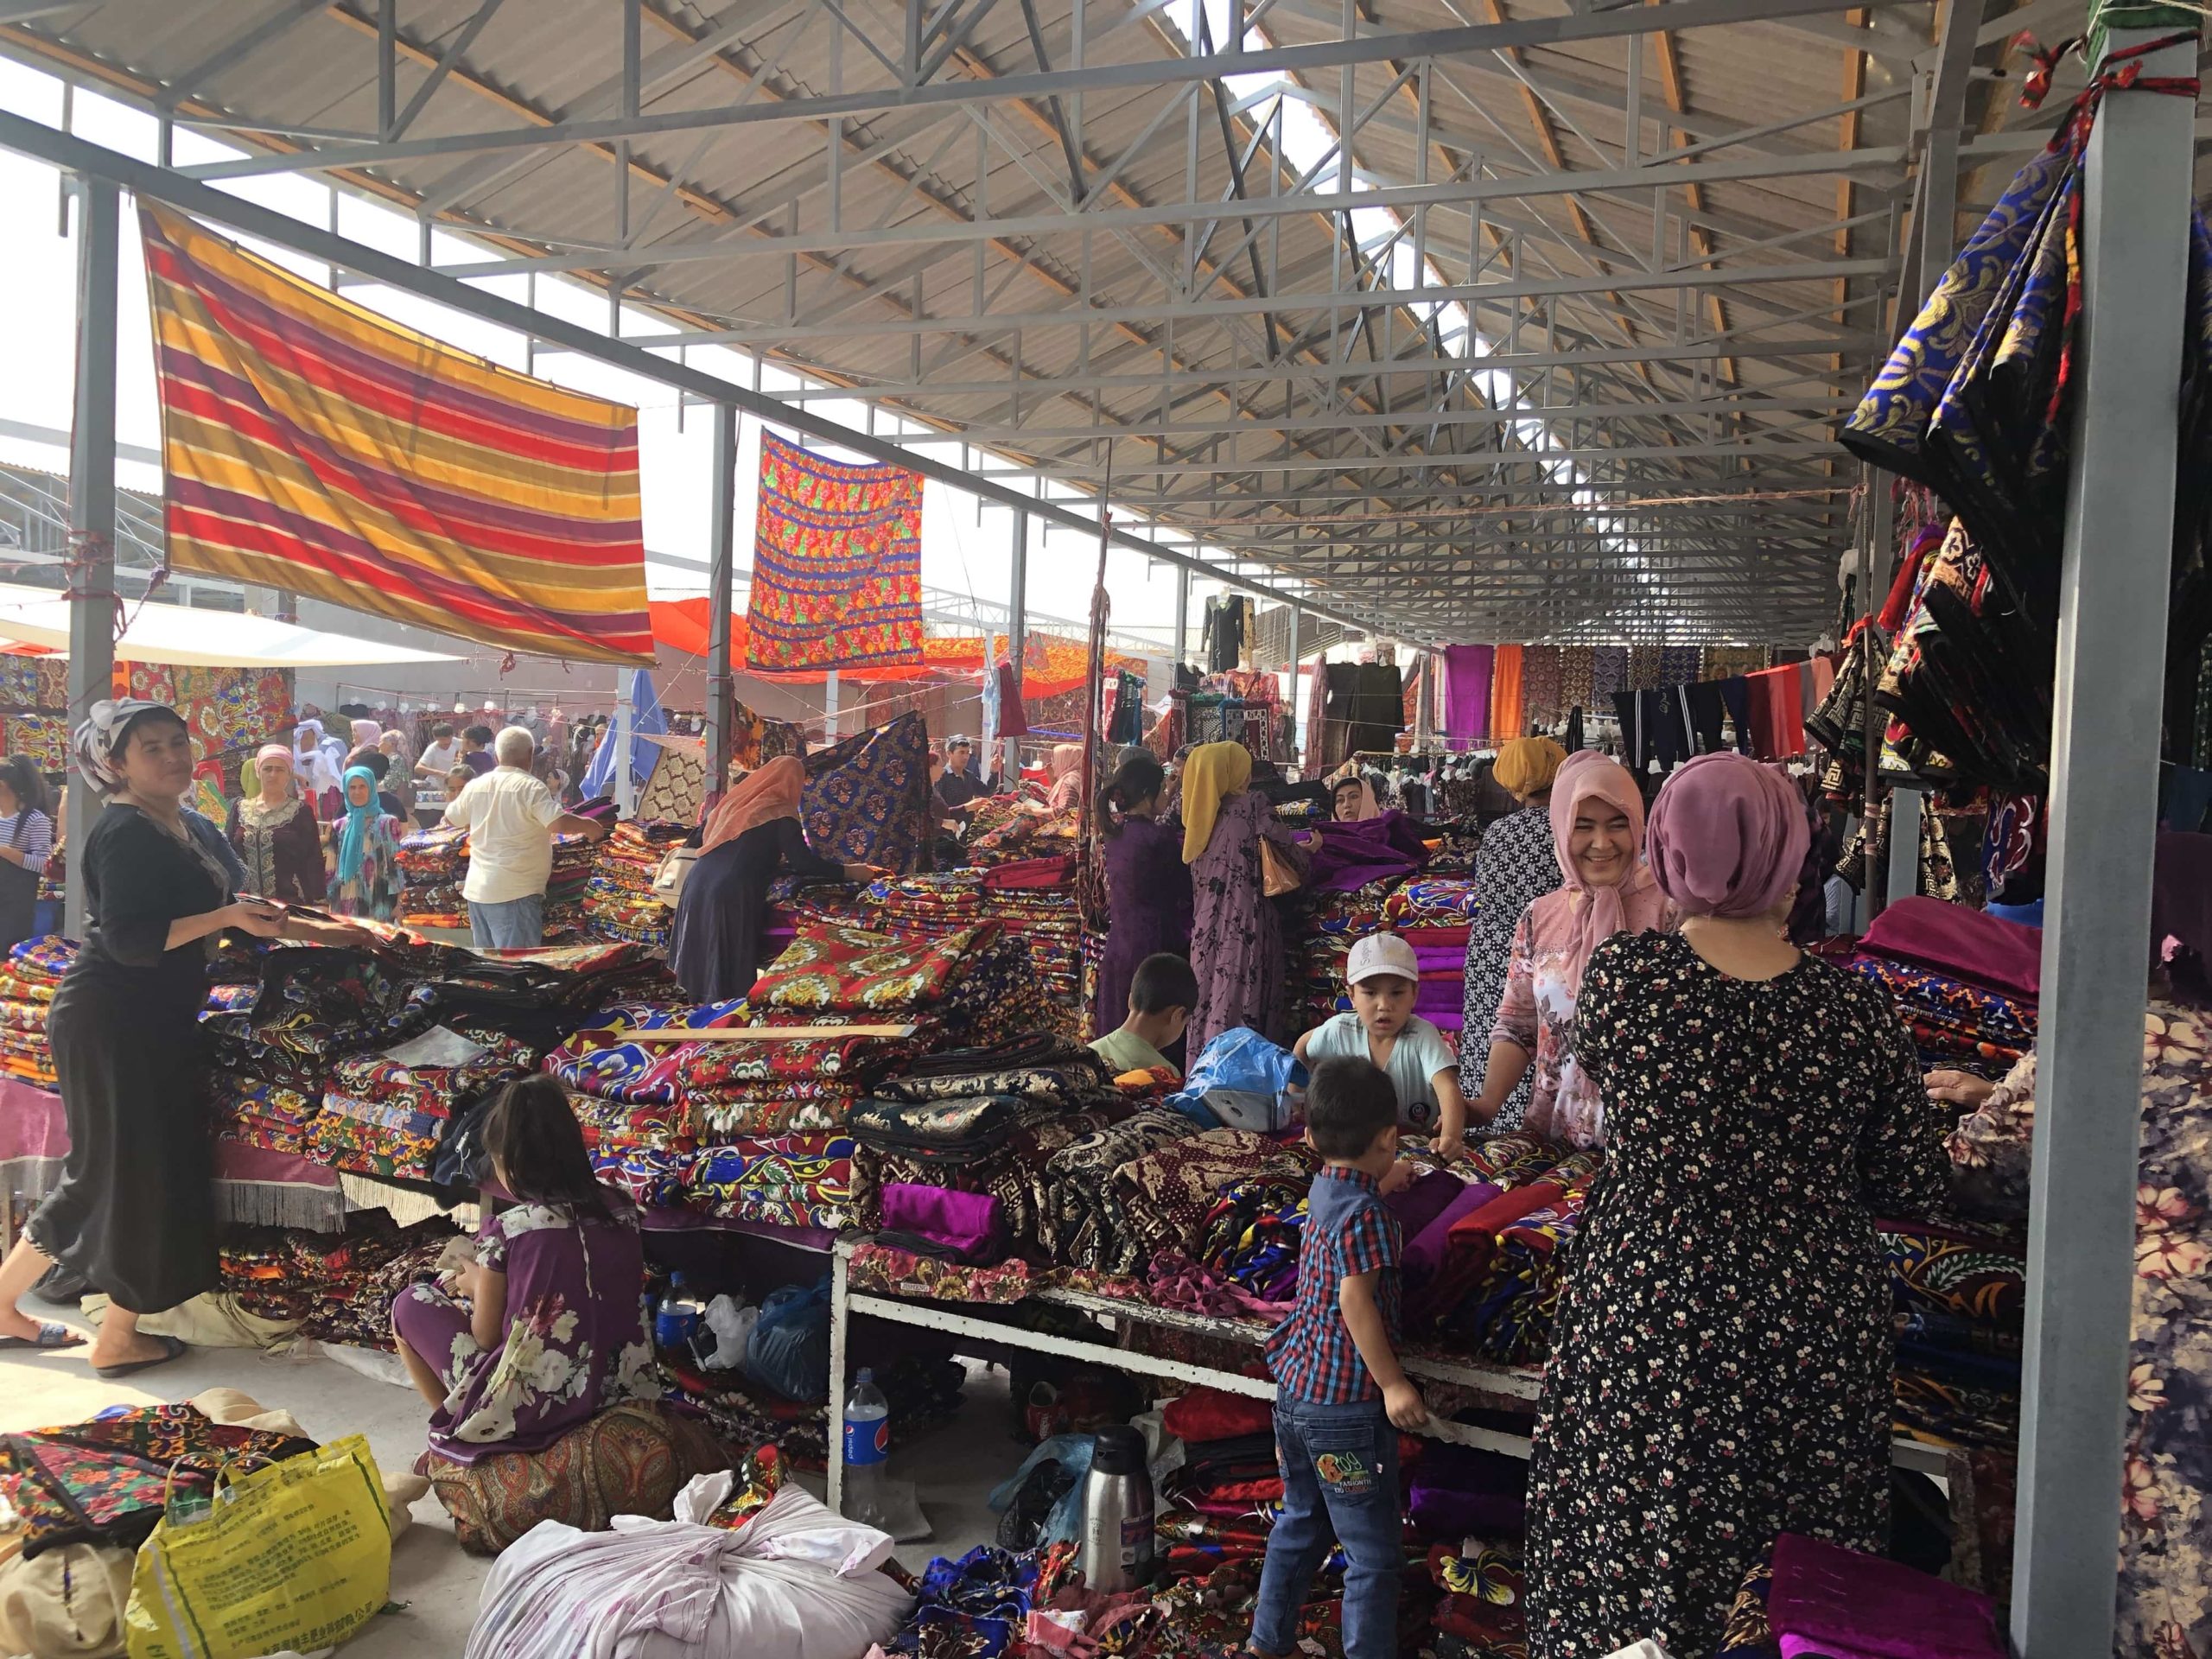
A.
pixel 62 1286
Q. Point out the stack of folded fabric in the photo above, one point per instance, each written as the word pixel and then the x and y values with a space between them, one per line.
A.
pixel 1511 1314
pixel 1166 1195
pixel 1251 1234
pixel 353 1305
pixel 639 1122
pixel 1966 982
pixel 1454 1276
pixel 766 1084
pixel 1961 1298
pixel 1229 1474
pixel 32 974
pixel 932 903
pixel 1818 1598
pixel 1018 835
pixel 565 889
pixel 256 1112
pixel 386 1114
pixel 971 987
pixel 619 902
pixel 1034 901
pixel 794 904
pixel 341 1284
pixel 1431 901
pixel 435 863
pixel 1481 1612
pixel 1090 1224
pixel 787 1180
pixel 987 1121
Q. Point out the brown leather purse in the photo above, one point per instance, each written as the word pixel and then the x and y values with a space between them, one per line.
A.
pixel 1279 872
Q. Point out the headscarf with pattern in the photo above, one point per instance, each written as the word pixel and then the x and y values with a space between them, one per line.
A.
pixel 99 737
pixel 1213 770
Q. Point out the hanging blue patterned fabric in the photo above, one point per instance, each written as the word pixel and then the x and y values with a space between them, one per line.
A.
pixel 866 799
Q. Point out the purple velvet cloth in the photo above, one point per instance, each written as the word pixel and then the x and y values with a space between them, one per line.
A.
pixel 1964 943
pixel 1352 855
pixel 1423 1256
pixel 1456 1489
pixel 1826 1600
pixel 968 1225
pixel 1428 1197
pixel 1467 670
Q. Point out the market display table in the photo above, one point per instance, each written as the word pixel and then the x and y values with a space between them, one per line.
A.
pixel 1515 1382
pixel 252 1185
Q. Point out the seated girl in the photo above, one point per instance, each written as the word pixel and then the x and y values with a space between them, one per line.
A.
pixel 545 1325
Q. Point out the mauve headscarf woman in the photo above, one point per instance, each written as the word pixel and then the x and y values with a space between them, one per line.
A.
pixel 1597 823
pixel 1727 836
pixel 1066 765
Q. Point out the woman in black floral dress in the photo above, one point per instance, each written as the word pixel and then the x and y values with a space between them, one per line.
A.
pixel 1721 1368
pixel 1516 866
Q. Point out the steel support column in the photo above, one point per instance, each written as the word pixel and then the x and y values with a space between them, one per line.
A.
pixel 2103 811
pixel 1182 614
pixel 92 500
pixel 721 508
pixel 1017 625
pixel 1297 616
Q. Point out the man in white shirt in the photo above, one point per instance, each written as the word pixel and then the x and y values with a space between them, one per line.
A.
pixel 512 819
pixel 438 759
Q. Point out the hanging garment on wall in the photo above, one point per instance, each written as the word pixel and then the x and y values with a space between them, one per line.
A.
pixel 1642 668
pixel 1540 685
pixel 1222 636
pixel 1468 670
pixel 1577 675
pixel 1679 665
pixel 866 799
pixel 1505 716
pixel 1608 671
pixel 836 563
pixel 312 445
pixel 1777 712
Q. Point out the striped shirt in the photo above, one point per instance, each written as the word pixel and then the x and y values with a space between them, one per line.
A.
pixel 30 833
pixel 1347 1232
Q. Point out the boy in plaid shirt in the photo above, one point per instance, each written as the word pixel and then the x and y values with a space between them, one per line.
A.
pixel 1339 1388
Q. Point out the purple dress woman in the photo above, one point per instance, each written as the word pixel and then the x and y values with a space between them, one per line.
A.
pixel 1148 897
pixel 575 1342
pixel 1236 936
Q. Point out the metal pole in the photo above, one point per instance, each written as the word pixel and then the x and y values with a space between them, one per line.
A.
pixel 721 561
pixel 1906 808
pixel 2096 948
pixel 1297 616
pixel 1017 628
pixel 626 720
pixel 1182 613
pixel 91 503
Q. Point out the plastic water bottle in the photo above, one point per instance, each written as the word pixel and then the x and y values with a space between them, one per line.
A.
pixel 676 1318
pixel 867 1443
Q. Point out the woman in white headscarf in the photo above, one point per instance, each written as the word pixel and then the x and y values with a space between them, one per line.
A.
pixel 319 760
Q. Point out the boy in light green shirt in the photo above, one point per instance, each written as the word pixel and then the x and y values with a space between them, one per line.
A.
pixel 1162 995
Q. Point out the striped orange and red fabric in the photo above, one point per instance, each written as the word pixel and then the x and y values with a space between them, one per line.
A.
pixel 311 445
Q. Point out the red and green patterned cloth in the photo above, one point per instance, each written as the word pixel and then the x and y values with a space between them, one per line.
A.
pixel 836 564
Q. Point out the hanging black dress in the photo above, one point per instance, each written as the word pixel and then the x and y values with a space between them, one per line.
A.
pixel 133 1214
pixel 714 949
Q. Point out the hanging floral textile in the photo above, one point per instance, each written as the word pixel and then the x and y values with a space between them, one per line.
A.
pixel 836 564
pixel 866 799
pixel 310 445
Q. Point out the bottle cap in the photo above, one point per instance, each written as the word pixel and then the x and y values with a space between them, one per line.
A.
pixel 867 1376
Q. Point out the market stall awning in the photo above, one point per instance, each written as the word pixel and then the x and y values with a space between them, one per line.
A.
pixel 1054 665
pixel 182 636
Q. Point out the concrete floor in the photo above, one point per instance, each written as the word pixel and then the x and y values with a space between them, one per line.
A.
pixel 434 1585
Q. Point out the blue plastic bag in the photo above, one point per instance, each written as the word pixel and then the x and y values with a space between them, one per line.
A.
pixel 1073 1453
pixel 789 1349
pixel 1241 1059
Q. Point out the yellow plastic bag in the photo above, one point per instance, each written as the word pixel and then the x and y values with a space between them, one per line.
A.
pixel 297 1555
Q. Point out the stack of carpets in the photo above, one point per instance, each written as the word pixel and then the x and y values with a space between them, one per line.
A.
pixel 988 1120
pixel 619 902
pixel 565 889
pixel 1961 1300
pixel 435 863
pixel 27 981
pixel 387 1114
pixel 1966 982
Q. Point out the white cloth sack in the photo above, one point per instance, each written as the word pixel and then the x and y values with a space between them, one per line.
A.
pixel 795 1582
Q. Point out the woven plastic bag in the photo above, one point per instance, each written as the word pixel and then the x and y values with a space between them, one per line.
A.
pixel 297 1555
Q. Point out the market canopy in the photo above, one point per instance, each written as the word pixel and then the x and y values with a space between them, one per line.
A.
pixel 1052 664
pixel 182 636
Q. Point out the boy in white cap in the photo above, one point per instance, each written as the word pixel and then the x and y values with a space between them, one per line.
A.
pixel 1385 978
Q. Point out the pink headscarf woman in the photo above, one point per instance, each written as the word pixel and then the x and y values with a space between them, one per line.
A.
pixel 1597 817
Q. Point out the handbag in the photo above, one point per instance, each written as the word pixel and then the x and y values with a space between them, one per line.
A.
pixel 674 870
pixel 1278 875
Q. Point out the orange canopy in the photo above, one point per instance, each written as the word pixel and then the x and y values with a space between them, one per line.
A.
pixel 1054 665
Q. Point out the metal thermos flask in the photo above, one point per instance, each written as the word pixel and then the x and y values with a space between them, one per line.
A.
pixel 1117 1543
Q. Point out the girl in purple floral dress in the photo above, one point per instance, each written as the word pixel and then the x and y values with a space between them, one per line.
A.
pixel 544 1328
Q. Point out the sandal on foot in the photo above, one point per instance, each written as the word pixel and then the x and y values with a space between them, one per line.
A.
pixel 50 1335
pixel 173 1348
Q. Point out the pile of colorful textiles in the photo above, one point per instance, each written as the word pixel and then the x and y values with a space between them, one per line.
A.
pixel 435 863
pixel 565 889
pixel 27 981
pixel 987 1121
pixel 1482 1271
pixel 1442 953
pixel 618 901
pixel 387 1114
pixel 340 1284
pixel 1431 901
pixel 1008 834
pixel 1167 1196
pixel 1961 1297
pixel 257 1113
pixel 1482 1611
pixel 972 987
pixel 1251 1235
pixel 1966 982
pixel 790 1181
pixel 1031 899
pixel 1321 930
pixel 1090 1222
pixel 1228 1472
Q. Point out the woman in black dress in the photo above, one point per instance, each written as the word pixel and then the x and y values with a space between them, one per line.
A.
pixel 1720 1372
pixel 131 1214
pixel 752 834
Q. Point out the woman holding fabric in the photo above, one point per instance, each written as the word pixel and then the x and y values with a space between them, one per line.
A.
pixel 363 861
pixel 1065 765
pixel 1236 936
pixel 274 832
pixel 1720 1372
pixel 752 835
pixel 1597 825
pixel 1147 884
pixel 26 843
pixel 132 1215
pixel 1514 866
pixel 1351 796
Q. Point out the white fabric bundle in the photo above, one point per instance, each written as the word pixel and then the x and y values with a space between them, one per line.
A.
pixel 795 1582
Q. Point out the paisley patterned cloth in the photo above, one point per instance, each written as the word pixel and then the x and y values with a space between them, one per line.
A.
pixel 866 799
pixel 1798 1102
pixel 1578 681
pixel 1642 668
pixel 1517 866
pixel 1608 672
pixel 836 563
pixel 1539 686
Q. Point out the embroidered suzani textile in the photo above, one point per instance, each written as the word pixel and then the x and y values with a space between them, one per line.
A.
pixel 836 564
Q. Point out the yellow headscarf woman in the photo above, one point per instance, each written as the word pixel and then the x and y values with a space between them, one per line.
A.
pixel 1527 765
pixel 1210 772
